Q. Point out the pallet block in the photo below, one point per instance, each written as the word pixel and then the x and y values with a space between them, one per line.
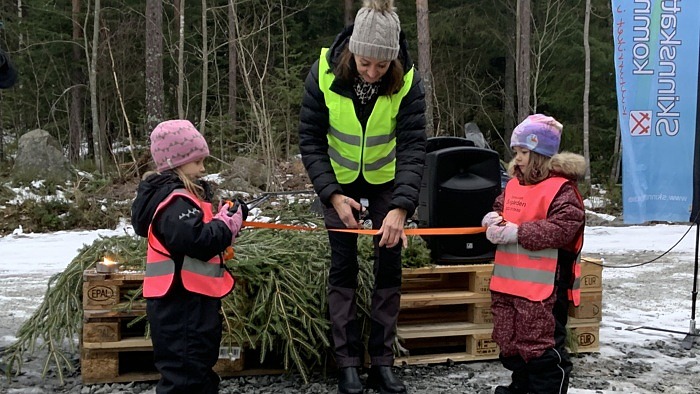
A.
pixel 107 291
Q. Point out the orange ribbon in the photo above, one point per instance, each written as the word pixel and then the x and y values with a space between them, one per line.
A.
pixel 408 231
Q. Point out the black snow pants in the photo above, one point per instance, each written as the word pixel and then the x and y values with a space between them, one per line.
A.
pixel 532 337
pixel 186 333
pixel 342 289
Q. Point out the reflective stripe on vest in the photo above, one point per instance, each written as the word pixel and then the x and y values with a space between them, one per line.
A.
pixel 518 271
pixel 210 278
pixel 352 149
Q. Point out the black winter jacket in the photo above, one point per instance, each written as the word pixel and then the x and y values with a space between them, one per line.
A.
pixel 179 226
pixel 410 132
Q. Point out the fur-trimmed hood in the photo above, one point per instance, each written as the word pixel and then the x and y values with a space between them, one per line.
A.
pixel 569 165
pixel 565 164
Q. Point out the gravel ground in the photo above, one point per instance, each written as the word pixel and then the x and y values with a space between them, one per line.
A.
pixel 655 364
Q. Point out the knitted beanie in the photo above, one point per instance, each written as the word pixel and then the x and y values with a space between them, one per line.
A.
pixel 175 143
pixel 538 133
pixel 376 31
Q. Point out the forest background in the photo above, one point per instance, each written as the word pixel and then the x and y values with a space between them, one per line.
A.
pixel 98 75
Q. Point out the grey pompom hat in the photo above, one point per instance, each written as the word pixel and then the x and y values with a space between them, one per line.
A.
pixel 376 31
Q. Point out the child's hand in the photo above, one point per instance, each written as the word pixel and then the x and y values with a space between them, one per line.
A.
pixel 492 218
pixel 233 220
pixel 507 234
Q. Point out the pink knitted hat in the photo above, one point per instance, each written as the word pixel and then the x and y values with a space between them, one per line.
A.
pixel 177 142
pixel 538 133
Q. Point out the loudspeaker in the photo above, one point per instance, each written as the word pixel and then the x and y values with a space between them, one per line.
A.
pixel 459 186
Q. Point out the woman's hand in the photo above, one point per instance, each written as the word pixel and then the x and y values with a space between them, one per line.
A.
pixel 392 229
pixel 344 205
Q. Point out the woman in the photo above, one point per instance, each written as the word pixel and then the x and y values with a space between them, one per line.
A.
pixel 362 136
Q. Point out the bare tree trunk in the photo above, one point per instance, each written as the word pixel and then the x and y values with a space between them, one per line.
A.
pixel 424 62
pixel 617 156
pixel 509 103
pixel 586 90
pixel 523 58
pixel 75 118
pixel 205 70
pixel 232 65
pixel 154 63
pixel 96 134
pixel 348 12
pixel 180 14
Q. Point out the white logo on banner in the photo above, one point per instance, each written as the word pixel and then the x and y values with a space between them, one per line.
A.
pixel 640 123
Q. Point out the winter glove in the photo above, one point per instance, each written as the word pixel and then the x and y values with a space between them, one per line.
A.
pixel 492 218
pixel 507 234
pixel 244 208
pixel 233 220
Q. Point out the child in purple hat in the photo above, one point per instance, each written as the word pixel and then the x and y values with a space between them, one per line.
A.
pixel 537 224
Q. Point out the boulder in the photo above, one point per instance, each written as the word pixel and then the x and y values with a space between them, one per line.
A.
pixel 39 156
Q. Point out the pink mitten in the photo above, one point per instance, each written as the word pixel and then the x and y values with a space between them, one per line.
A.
pixel 233 221
pixel 492 218
pixel 507 234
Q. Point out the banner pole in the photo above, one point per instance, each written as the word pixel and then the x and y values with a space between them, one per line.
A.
pixel 689 339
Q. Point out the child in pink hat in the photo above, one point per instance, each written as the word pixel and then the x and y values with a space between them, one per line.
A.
pixel 186 275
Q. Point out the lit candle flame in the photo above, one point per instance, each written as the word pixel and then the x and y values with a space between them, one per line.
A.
pixel 107 265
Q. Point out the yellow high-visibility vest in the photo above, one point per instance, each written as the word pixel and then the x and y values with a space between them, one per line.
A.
pixel 352 150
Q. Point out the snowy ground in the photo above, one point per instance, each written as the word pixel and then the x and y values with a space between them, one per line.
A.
pixel 631 360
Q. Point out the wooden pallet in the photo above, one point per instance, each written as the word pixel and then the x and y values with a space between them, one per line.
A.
pixel 131 360
pixel 447 293
pixel 442 342
pixel 113 346
pixel 446 313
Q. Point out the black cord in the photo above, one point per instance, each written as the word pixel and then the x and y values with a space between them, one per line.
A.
pixel 693 223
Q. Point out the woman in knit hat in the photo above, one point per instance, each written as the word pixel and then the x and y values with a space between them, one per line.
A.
pixel 185 272
pixel 538 224
pixel 362 138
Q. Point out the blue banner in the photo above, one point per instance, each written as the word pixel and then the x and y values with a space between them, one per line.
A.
pixel 657 45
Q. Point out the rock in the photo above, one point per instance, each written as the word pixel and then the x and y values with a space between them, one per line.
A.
pixel 39 156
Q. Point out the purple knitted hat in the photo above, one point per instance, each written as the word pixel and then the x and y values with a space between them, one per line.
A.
pixel 538 133
pixel 177 142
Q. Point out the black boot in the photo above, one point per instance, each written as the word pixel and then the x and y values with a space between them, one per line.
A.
pixel 349 381
pixel 517 386
pixel 383 379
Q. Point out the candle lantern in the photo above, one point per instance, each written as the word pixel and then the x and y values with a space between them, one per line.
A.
pixel 107 266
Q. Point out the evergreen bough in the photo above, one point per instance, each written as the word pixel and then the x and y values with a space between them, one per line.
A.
pixel 279 304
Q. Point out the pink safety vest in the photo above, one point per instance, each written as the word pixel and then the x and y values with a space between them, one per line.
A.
pixel 210 278
pixel 522 272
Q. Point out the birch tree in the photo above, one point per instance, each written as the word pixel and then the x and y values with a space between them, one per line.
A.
pixel 205 70
pixel 232 64
pixel 586 90
pixel 96 133
pixel 75 116
pixel 424 62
